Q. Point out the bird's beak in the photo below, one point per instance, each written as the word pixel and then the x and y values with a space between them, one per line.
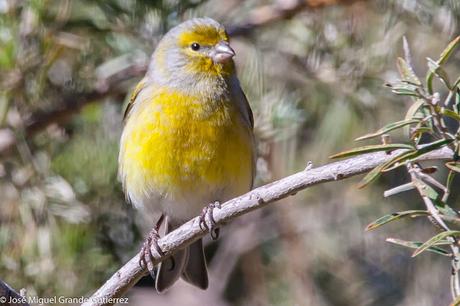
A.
pixel 222 52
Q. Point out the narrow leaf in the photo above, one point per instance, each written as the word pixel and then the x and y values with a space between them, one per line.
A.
pixel 450 113
pixel 405 92
pixel 426 190
pixel 428 148
pixel 395 216
pixel 419 131
pixel 407 53
pixel 400 160
pixel 372 148
pixel 416 245
pixel 407 72
pixel 376 172
pixel 439 71
pixel 445 211
pixel 433 240
pixel 429 81
pixel 413 109
pixel 448 50
pixel 457 81
pixel 389 127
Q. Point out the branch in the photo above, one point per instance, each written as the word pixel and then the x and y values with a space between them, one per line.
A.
pixel 282 10
pixel 131 272
pixel 8 296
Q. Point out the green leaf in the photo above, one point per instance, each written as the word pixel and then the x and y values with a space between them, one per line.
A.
pixel 433 240
pixel 450 113
pixel 399 160
pixel 448 50
pixel 407 72
pixel 426 190
pixel 446 212
pixel 454 166
pixel 413 109
pixel 442 59
pixel 377 171
pixel 429 82
pixel 419 131
pixel 389 127
pixel 414 155
pixel 404 88
pixel 372 148
pixel 437 69
pixel 457 81
pixel 434 145
pixel 395 216
pixel 416 245
pixel 371 176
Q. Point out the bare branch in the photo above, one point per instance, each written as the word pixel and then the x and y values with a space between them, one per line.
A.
pixel 281 10
pixel 8 296
pixel 131 272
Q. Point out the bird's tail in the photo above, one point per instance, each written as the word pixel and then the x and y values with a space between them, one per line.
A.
pixel 189 263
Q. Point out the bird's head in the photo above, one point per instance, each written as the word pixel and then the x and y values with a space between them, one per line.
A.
pixel 198 48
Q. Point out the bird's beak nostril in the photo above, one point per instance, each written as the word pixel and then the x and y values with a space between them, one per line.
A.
pixel 222 52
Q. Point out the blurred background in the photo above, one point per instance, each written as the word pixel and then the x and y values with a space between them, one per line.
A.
pixel 313 71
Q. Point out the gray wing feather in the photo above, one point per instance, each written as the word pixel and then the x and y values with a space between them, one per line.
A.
pixel 246 112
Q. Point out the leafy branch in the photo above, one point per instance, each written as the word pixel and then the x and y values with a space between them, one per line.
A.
pixel 426 130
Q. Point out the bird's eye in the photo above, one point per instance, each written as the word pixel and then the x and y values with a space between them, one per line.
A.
pixel 195 46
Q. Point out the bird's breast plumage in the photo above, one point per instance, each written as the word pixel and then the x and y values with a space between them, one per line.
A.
pixel 184 149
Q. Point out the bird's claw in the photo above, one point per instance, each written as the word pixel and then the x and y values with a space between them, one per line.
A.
pixel 146 256
pixel 208 213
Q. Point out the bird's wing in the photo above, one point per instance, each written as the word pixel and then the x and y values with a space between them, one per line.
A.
pixel 133 97
pixel 247 109
pixel 242 102
pixel 246 112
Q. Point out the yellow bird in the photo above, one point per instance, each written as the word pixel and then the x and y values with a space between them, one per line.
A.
pixel 188 139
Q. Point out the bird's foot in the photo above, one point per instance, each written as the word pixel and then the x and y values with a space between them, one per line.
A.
pixel 210 226
pixel 146 256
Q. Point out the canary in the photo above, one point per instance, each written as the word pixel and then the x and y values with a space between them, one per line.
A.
pixel 187 139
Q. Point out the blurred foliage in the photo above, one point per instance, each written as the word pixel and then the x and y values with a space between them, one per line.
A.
pixel 314 82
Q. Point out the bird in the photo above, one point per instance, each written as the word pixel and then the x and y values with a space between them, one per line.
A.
pixel 187 143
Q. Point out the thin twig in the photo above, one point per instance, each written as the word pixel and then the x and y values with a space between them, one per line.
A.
pixel 131 272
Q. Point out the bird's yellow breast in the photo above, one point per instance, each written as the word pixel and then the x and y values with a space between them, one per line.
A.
pixel 177 144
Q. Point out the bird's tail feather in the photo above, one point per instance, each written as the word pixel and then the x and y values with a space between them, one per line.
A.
pixel 195 271
pixel 169 270
pixel 189 263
